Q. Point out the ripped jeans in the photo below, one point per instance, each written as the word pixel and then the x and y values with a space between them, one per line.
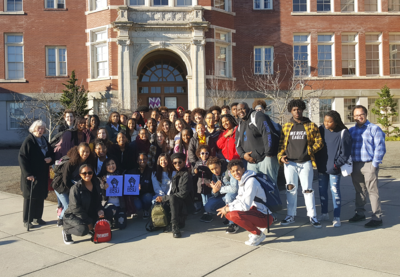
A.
pixel 304 172
pixel 333 182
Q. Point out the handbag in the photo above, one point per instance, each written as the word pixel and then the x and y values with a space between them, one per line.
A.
pixel 347 168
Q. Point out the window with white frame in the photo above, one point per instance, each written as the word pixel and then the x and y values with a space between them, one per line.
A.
pixel 325 105
pixel 56 57
pixel 394 6
pixel 99 46
pixel 160 2
pixel 14 56
pixel 349 54
pixel 183 2
pixel 394 44
pixel 264 60
pixel 300 55
pixel 323 5
pixel 222 4
pixel 13 5
pixel 55 4
pixel 372 52
pixel 136 2
pixel 325 55
pixel 262 4
pixel 299 5
pixel 222 56
pixel 371 5
pixel 15 115
pixel 347 5
pixel 98 4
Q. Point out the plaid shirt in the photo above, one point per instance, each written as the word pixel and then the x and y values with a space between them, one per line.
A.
pixel 368 143
pixel 314 140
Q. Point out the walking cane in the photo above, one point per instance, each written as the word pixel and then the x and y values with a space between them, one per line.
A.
pixel 29 209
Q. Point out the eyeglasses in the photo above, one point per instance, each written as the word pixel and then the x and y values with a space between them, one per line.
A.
pixel 204 153
pixel 90 173
pixel 359 115
pixel 175 163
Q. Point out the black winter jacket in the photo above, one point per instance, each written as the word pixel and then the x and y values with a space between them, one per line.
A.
pixel 261 139
pixel 181 186
pixel 204 176
pixel 194 144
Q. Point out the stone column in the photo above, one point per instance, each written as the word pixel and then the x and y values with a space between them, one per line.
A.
pixel 363 101
pixel 197 94
pixel 338 105
pixel 124 74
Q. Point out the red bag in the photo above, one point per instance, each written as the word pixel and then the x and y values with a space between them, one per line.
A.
pixel 102 231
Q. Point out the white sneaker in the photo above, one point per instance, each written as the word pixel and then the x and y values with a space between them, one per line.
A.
pixel 255 240
pixel 247 242
pixel 261 229
pixel 323 217
pixel 314 222
pixel 288 220
pixel 336 222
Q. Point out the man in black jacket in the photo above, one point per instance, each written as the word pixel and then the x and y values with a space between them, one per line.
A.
pixel 257 141
pixel 180 194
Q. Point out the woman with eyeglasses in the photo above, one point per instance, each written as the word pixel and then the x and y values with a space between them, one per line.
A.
pixel 84 205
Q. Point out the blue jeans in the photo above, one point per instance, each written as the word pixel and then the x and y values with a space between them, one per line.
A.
pixel 143 202
pixel 333 182
pixel 218 202
pixel 205 198
pixel 269 166
pixel 64 199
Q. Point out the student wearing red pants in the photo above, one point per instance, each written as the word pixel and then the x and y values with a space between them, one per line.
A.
pixel 244 211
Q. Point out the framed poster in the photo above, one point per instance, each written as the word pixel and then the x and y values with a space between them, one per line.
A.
pixel 115 185
pixel 131 184
pixel 154 102
pixel 171 102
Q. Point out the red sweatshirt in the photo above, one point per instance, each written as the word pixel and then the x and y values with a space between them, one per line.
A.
pixel 227 145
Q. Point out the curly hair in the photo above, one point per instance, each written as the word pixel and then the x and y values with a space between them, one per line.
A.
pixel 75 158
pixel 337 119
pixel 213 160
pixel 259 102
pixel 199 111
pixel 215 108
pixel 296 103
pixel 201 147
pixel 235 162
pixel 161 124
pixel 163 108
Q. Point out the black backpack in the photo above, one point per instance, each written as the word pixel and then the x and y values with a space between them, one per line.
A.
pixel 57 182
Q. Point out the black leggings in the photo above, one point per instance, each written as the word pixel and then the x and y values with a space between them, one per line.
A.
pixel 36 209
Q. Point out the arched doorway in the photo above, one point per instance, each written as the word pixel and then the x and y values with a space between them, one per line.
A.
pixel 162 81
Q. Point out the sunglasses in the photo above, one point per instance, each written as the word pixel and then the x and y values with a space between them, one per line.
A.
pixel 87 173
pixel 204 153
pixel 175 163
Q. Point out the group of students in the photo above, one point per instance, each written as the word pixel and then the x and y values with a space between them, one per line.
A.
pixel 190 162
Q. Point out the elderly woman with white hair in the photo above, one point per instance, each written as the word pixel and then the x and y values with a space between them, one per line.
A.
pixel 35 156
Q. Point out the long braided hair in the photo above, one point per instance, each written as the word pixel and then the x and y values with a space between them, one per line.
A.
pixel 337 119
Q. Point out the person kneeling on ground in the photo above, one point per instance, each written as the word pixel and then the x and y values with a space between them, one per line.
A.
pixel 84 205
pixel 179 196
pixel 224 190
pixel 244 211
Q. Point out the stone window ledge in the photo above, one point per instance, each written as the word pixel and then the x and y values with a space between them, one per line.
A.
pixel 13 81
pixel 12 13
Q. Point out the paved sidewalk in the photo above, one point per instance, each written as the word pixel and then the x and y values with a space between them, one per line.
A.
pixel 205 249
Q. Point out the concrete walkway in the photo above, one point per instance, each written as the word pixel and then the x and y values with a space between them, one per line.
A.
pixel 205 249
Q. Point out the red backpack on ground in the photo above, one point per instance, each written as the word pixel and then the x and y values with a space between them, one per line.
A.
pixel 102 231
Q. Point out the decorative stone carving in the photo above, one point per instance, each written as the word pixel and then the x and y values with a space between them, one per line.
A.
pixel 137 47
pixel 124 42
pixel 165 16
pixel 164 33
pixel 185 47
pixel 163 44
pixel 198 42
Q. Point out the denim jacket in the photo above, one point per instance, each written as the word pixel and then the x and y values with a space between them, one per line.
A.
pixel 229 184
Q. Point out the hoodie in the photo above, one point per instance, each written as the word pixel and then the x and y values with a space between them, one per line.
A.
pixel 249 188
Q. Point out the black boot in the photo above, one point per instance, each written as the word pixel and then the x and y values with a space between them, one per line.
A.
pixel 176 232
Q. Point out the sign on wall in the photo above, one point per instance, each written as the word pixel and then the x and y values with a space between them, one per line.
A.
pixel 154 102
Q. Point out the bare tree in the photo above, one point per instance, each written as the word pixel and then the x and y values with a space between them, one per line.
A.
pixel 109 104
pixel 280 86
pixel 44 106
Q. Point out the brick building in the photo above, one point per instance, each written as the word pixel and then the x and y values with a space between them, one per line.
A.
pixel 167 51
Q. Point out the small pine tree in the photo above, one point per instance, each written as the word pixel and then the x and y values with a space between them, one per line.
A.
pixel 75 97
pixel 385 109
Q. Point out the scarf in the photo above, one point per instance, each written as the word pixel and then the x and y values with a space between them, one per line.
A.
pixel 202 140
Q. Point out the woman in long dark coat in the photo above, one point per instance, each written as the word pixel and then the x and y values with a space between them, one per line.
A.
pixel 35 157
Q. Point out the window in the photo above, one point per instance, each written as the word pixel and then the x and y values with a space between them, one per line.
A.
pixel 371 5
pixel 325 56
pixel 394 44
pixel 183 2
pixel 101 61
pixel 394 6
pixel 136 2
pixel 347 5
pixel 222 4
pixel 99 4
pixel 14 57
pixel 372 53
pixel 56 61
pixel 371 105
pixel 221 63
pixel 264 60
pixel 325 105
pixel 55 4
pixel 349 104
pixel 349 56
pixel 16 115
pixel 299 5
pixel 300 55
pixel 323 5
pixel 222 36
pixel 160 2
pixel 99 49
pixel 263 4
pixel 14 5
